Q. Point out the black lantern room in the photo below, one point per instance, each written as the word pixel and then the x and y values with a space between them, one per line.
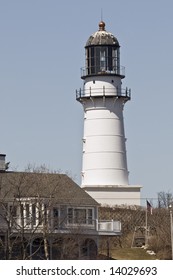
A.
pixel 102 54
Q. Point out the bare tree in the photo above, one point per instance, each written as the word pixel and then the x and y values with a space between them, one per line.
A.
pixel 164 199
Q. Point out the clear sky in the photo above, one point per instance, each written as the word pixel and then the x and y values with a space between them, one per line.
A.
pixel 41 53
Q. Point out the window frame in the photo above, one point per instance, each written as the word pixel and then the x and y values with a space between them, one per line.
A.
pixel 72 218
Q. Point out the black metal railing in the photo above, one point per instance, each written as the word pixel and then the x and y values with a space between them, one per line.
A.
pixel 99 92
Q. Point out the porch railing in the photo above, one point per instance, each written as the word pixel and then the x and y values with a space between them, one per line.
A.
pixel 109 226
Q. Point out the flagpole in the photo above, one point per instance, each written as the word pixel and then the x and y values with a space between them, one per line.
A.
pixel 146 226
pixel 171 225
pixel 150 210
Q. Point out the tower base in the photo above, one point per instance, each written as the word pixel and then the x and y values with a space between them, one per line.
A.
pixel 115 195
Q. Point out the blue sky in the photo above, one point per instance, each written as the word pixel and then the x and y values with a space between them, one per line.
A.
pixel 41 52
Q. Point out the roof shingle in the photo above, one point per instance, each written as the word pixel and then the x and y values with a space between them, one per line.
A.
pixel 58 187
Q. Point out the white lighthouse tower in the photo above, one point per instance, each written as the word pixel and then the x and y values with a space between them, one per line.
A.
pixel 104 166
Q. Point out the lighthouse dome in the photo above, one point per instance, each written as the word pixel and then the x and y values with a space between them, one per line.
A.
pixel 102 37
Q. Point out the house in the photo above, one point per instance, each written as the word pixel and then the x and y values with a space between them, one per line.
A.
pixel 48 216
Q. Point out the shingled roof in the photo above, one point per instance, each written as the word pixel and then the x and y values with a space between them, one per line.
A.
pixel 58 187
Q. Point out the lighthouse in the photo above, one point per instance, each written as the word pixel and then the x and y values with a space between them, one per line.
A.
pixel 104 172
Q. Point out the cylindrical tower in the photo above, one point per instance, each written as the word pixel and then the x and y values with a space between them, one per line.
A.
pixel 103 99
pixel 102 96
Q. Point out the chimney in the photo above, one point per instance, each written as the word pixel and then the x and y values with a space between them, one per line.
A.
pixel 2 162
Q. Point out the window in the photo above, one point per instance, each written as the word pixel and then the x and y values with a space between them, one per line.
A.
pixel 45 214
pixel 55 212
pixel 70 215
pixel 80 216
pixel 38 212
pixel 27 213
pixel 13 211
pixel 21 211
pixel 33 214
pixel 55 218
pixel 90 216
pixel 12 214
pixel 40 215
pixel 102 59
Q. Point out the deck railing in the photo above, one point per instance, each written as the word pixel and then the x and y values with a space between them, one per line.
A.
pixel 101 227
pixel 104 91
pixel 109 226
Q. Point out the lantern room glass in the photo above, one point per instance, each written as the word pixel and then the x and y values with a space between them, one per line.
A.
pixel 102 59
